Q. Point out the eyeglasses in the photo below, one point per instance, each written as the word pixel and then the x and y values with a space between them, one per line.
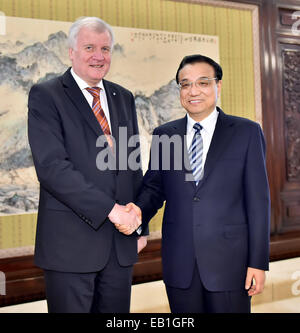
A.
pixel 201 83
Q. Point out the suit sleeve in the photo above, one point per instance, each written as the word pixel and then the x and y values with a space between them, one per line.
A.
pixel 55 170
pixel 138 173
pixel 142 231
pixel 151 197
pixel 257 201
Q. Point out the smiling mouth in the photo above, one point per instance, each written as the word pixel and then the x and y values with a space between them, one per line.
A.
pixel 96 66
pixel 196 101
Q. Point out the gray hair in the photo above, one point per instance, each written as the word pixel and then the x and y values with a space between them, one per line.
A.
pixel 92 23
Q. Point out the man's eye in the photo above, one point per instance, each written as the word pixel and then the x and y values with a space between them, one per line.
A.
pixel 203 83
pixel 106 49
pixel 89 48
pixel 185 85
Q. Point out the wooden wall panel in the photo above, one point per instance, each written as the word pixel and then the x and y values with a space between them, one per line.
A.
pixel 285 41
pixel 280 78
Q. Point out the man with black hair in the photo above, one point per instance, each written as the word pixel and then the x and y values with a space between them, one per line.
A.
pixel 215 233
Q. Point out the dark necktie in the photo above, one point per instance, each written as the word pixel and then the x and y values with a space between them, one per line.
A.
pixel 196 152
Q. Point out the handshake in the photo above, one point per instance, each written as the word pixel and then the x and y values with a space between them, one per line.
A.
pixel 127 218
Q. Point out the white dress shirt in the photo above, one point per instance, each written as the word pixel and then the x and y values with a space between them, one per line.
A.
pixel 208 127
pixel 103 100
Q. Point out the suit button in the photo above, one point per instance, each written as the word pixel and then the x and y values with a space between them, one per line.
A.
pixel 196 199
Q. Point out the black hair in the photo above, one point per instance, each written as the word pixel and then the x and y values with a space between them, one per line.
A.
pixel 192 59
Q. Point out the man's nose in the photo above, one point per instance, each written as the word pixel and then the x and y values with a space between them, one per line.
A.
pixel 98 55
pixel 194 90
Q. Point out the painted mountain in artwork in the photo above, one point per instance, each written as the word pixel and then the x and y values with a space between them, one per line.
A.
pixel 20 67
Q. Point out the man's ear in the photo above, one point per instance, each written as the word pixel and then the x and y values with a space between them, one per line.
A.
pixel 71 53
pixel 219 86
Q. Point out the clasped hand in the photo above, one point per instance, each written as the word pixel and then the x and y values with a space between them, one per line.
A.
pixel 127 218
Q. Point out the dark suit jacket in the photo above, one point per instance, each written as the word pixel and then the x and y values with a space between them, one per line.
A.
pixel 223 223
pixel 73 231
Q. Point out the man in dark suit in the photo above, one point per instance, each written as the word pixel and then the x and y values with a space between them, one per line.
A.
pixel 73 129
pixel 215 233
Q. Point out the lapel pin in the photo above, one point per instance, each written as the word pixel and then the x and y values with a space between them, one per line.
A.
pixel 114 93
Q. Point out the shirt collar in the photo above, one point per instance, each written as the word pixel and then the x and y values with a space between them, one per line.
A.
pixel 208 123
pixel 82 84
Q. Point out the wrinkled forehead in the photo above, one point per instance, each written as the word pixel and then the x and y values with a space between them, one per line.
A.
pixel 87 33
pixel 90 35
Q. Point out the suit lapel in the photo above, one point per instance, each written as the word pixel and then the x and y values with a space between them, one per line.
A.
pixel 222 135
pixel 180 129
pixel 81 104
pixel 79 101
pixel 113 100
pixel 179 126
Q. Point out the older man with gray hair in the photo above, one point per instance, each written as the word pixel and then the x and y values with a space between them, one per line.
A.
pixel 87 262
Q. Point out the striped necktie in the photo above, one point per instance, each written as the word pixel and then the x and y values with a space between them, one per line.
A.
pixel 97 109
pixel 99 114
pixel 196 152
